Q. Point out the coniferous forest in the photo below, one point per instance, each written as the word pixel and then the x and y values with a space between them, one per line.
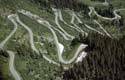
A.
pixel 62 39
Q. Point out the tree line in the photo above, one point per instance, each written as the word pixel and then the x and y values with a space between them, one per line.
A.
pixel 105 60
pixel 72 4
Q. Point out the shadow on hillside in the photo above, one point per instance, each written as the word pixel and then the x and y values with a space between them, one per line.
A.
pixel 105 60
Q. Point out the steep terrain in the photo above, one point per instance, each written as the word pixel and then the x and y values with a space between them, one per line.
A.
pixel 40 39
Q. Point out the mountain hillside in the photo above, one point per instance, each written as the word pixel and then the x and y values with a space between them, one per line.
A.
pixel 51 39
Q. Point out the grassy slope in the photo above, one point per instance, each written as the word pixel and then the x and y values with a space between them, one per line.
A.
pixel 23 63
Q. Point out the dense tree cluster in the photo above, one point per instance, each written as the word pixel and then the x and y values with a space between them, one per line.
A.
pixel 4 53
pixel 3 65
pixel 105 60
pixel 72 4
pixel 119 23
pixel 99 0
pixel 107 11
pixel 41 3
pixel 1 77
pixel 25 51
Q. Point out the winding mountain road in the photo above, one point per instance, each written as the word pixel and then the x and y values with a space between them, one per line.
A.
pixel 61 18
pixel 105 3
pixel 10 17
pixel 45 23
pixel 79 21
pixel 87 26
pixel 13 71
pixel 78 55
pixel 79 49
pixel 116 17
pixel 61 33
pixel 69 37
pixel 74 16
pixel 30 34
pixel 95 21
pixel 102 28
pixel 59 46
